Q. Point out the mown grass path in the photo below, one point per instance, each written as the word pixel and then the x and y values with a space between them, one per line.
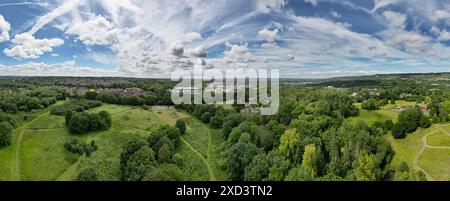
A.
pixel 425 145
pixel 207 160
pixel 15 170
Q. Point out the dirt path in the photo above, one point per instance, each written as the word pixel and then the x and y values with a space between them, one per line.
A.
pixel 425 145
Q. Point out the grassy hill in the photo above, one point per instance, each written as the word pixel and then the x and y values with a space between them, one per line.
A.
pixel 37 152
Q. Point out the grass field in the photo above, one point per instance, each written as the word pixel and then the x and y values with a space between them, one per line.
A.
pixel 37 152
pixel 439 139
pixel 437 163
pixel 371 116
pixel 432 157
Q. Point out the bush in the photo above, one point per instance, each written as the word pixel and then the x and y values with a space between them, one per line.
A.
pixel 5 134
pixel 181 124
pixel 75 146
pixel 79 123
pixel 77 105
pixel 388 124
pixel 370 104
pixel 87 175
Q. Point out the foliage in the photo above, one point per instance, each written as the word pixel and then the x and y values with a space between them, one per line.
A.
pixel 5 133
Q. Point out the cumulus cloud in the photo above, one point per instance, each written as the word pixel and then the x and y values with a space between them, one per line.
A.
pixel 26 46
pixel 267 35
pixel 177 49
pixel 5 27
pixel 95 31
pixel 441 14
pixel 199 51
pixel 237 53
pixel 191 36
pixel 442 35
pixel 67 68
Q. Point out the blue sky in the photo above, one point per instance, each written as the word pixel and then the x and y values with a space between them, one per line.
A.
pixel 149 38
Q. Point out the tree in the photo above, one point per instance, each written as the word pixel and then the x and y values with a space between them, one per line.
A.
pixel 130 147
pixel 399 130
pixel 91 95
pixel 206 117
pixel 388 124
pixel 164 154
pixel 139 164
pixel 181 124
pixel 370 104
pixel 5 134
pixel 216 121
pixel 312 160
pixel 165 172
pixel 366 168
pixel 105 120
pixel 258 168
pixel 298 174
pixel 240 156
pixel 79 123
pixel 88 174
pixel 425 121
pixel 290 145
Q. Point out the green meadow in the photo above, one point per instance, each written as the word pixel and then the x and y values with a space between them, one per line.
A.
pixel 37 152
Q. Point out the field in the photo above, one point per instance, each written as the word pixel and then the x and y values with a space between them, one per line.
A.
pixel 427 150
pixel 37 152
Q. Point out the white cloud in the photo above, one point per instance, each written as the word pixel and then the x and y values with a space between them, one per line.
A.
pixel 193 36
pixel 5 27
pixel 441 14
pixel 269 45
pixel 382 3
pixel 443 35
pixel 335 14
pixel 67 68
pixel 267 35
pixel 177 49
pixel 237 53
pixel 395 20
pixel 25 46
pixel 266 6
pixel 57 12
pixel 95 31
pixel 411 42
pixel 199 51
pixel 313 2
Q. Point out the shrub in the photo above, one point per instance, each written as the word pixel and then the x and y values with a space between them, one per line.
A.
pixel 5 134
pixel 87 175
pixel 181 124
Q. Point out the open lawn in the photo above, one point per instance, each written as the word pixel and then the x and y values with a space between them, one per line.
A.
pixel 37 152
pixel 426 150
pixel 371 116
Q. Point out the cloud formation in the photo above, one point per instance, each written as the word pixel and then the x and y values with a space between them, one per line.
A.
pixel 5 27
pixel 26 46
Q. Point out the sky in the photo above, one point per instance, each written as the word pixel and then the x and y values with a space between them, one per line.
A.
pixel 152 38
